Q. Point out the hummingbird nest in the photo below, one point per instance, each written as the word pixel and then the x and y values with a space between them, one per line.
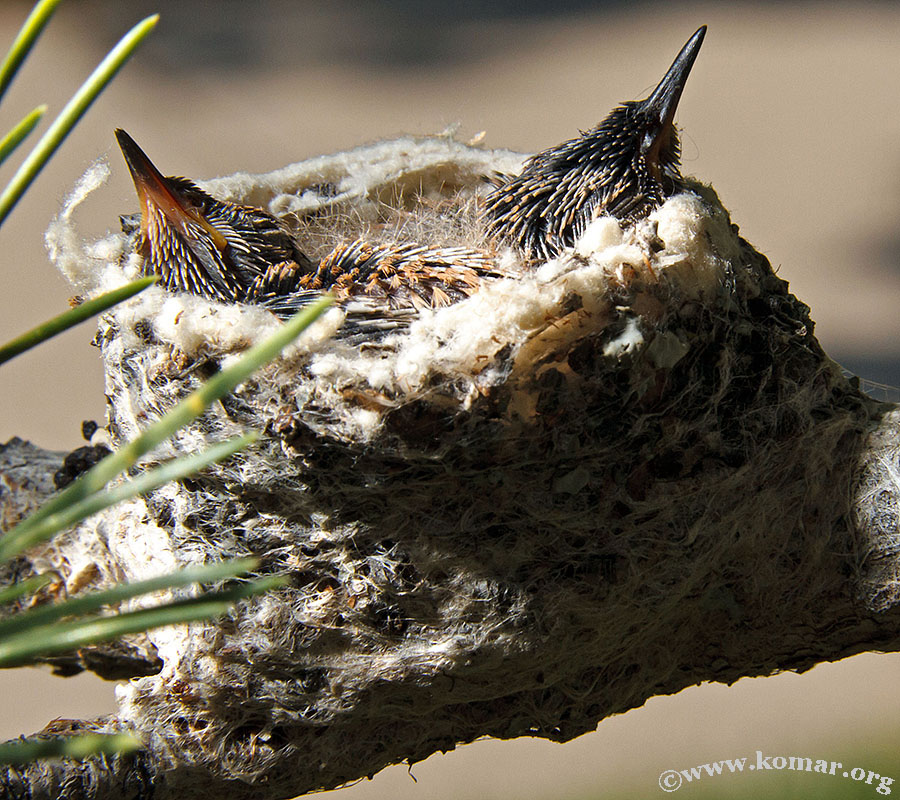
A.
pixel 469 501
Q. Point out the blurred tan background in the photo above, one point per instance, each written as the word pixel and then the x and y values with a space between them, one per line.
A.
pixel 792 112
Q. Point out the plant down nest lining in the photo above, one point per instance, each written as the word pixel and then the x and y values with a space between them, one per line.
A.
pixel 542 488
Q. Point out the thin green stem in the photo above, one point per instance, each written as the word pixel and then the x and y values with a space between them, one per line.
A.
pixel 21 537
pixel 44 615
pixel 24 41
pixel 69 319
pixel 24 647
pixel 72 113
pixel 82 507
pixel 14 138
pixel 23 751
pixel 23 587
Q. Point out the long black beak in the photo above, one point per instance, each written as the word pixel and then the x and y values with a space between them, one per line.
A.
pixel 664 100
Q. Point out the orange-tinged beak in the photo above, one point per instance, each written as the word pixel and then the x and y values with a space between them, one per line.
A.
pixel 154 190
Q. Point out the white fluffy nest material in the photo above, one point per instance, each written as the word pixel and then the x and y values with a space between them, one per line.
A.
pixel 455 502
pixel 407 191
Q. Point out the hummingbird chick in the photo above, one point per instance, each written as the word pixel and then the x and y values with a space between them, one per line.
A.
pixel 625 167
pixel 236 253
pixel 198 244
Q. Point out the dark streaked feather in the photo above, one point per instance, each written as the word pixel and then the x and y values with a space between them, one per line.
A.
pixel 381 287
pixel 625 167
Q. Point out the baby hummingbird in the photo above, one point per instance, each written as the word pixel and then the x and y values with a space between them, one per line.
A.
pixel 196 243
pixel 624 167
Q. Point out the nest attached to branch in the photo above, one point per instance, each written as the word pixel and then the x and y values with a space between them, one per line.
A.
pixel 516 515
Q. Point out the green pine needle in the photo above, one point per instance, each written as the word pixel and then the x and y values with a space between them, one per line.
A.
pixel 23 587
pixel 69 319
pixel 23 648
pixel 79 508
pixel 21 47
pixel 14 138
pixel 25 534
pixel 44 615
pixel 22 751
pixel 72 113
